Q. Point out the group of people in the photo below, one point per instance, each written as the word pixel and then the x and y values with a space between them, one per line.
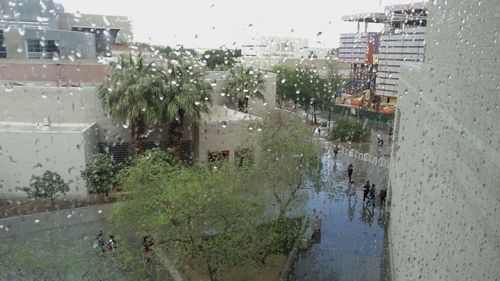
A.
pixel 101 246
pixel 369 191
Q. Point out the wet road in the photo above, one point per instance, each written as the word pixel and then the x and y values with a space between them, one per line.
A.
pixel 351 245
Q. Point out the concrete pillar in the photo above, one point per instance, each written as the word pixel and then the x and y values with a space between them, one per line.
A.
pixel 15 42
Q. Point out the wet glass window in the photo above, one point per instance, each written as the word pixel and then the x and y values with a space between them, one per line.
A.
pixel 249 140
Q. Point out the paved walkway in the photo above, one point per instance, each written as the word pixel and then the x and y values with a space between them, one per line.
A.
pixel 58 246
pixel 351 245
pixel 55 246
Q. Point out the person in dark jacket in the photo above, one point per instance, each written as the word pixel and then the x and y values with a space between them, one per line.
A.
pixel 350 169
pixel 382 195
pixel 371 195
pixel 366 190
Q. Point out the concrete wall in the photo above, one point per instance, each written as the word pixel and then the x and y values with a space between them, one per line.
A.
pixel 53 73
pixel 15 45
pixel 215 137
pixel 26 153
pixel 219 80
pixel 61 105
pixel 446 158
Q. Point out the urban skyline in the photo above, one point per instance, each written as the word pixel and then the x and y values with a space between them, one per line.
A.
pixel 227 23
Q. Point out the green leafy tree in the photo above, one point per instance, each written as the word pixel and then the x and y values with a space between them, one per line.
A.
pixel 244 84
pixel 346 129
pixel 134 95
pixel 287 157
pixel 46 186
pixel 200 211
pixel 286 83
pixel 219 59
pixel 100 174
pixel 304 86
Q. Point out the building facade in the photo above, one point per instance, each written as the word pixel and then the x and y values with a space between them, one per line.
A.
pixel 402 41
pixel 43 103
pixel 42 30
pixel 376 58
pixel 445 184
pixel 269 47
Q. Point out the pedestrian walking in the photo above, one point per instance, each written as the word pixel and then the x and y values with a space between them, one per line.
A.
pixel 366 190
pixel 98 245
pixel 382 195
pixel 336 151
pixel 350 169
pixel 111 245
pixel 371 195
pixel 147 243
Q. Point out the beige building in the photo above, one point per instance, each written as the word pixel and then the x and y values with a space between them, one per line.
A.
pixel 46 101
pixel 444 174
pixel 222 131
pixel 50 115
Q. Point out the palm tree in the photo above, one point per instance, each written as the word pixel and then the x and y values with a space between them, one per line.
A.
pixel 245 83
pixel 188 97
pixel 133 94
pixel 146 95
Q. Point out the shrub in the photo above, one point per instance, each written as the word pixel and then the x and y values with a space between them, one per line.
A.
pixel 285 232
pixel 99 174
pixel 46 186
pixel 347 129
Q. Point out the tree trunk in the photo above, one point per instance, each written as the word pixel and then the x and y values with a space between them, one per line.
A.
pixel 175 137
pixel 314 115
pixel 329 118
pixel 138 129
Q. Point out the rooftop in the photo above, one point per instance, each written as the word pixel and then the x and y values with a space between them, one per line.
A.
pixel 23 127
pixel 393 14
pixel 70 20
pixel 218 114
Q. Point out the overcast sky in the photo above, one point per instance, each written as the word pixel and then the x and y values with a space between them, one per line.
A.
pixel 213 23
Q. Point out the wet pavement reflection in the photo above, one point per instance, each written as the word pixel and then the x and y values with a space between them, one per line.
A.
pixel 351 244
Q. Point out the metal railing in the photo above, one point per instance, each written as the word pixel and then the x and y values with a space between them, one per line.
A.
pixel 366 157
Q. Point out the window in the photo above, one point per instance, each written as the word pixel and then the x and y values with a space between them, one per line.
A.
pixel 42 49
pixel 118 152
pixel 215 156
